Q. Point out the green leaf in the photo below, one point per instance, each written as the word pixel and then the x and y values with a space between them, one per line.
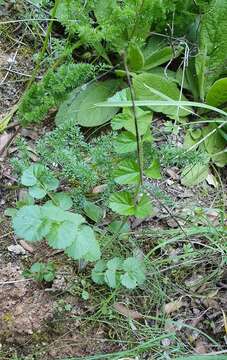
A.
pixel 111 276
pixel 214 144
pixel 122 203
pixel 126 120
pixel 212 54
pixel 81 109
pixel 135 58
pixel 37 192
pixel 144 207
pixel 11 212
pixel 134 273
pixel 40 181
pixel 61 235
pixel 127 172
pixel 93 211
pixel 125 142
pixel 85 245
pixel 29 223
pixel 118 227
pixel 194 174
pixel 58 215
pixel 156 87
pixel 61 199
pixel 97 273
pixel 153 171
pixel 29 176
pixel 217 93
pixel 157 52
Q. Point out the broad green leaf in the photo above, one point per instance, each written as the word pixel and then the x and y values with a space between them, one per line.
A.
pixel 97 274
pixel 157 52
pixel 111 276
pixel 58 215
pixel 212 53
pixel 118 227
pixel 85 246
pixel 40 181
pixel 155 87
pixel 93 211
pixel 61 199
pixel 29 177
pixel 127 172
pixel 82 109
pixel 153 171
pixel 61 234
pixel 29 223
pixel 122 203
pixel 144 207
pixel 37 192
pixel 125 142
pixel 214 144
pixel 217 93
pixel 194 174
pixel 134 273
pixel 135 58
pixel 126 120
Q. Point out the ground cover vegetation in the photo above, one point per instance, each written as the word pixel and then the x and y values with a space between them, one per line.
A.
pixel 124 94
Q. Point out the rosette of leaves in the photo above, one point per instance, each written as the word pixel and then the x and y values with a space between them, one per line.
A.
pixel 119 272
pixel 53 221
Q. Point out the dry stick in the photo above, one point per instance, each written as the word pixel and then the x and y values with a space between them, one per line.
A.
pixel 138 142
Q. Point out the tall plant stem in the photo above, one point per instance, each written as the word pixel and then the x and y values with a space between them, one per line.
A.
pixel 138 139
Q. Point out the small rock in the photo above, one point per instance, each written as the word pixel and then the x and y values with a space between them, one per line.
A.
pixel 16 249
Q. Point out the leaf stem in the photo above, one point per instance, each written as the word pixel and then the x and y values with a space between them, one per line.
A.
pixel 138 139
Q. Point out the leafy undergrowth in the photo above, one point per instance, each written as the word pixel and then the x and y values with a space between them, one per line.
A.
pixel 113 192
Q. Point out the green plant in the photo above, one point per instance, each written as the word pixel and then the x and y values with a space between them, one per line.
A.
pixel 51 91
pixel 41 272
pixel 117 271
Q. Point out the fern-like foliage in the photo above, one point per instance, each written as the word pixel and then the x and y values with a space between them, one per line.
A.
pixel 80 164
pixel 52 90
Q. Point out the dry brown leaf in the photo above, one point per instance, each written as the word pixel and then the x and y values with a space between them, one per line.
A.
pixel 173 306
pixel 26 246
pixel 4 139
pixel 99 189
pixel 172 173
pixel 200 347
pixel 123 310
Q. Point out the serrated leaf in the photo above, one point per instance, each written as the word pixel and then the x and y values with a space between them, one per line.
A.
pixel 93 211
pixel 144 207
pixel 61 235
pixel 29 176
pixel 155 87
pixel 111 276
pixel 58 215
pixel 126 120
pixel 153 171
pixel 82 109
pixel 194 174
pixel 97 274
pixel 29 223
pixel 122 203
pixel 127 172
pixel 125 142
pixel 134 273
pixel 217 93
pixel 85 245
pixel 135 58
